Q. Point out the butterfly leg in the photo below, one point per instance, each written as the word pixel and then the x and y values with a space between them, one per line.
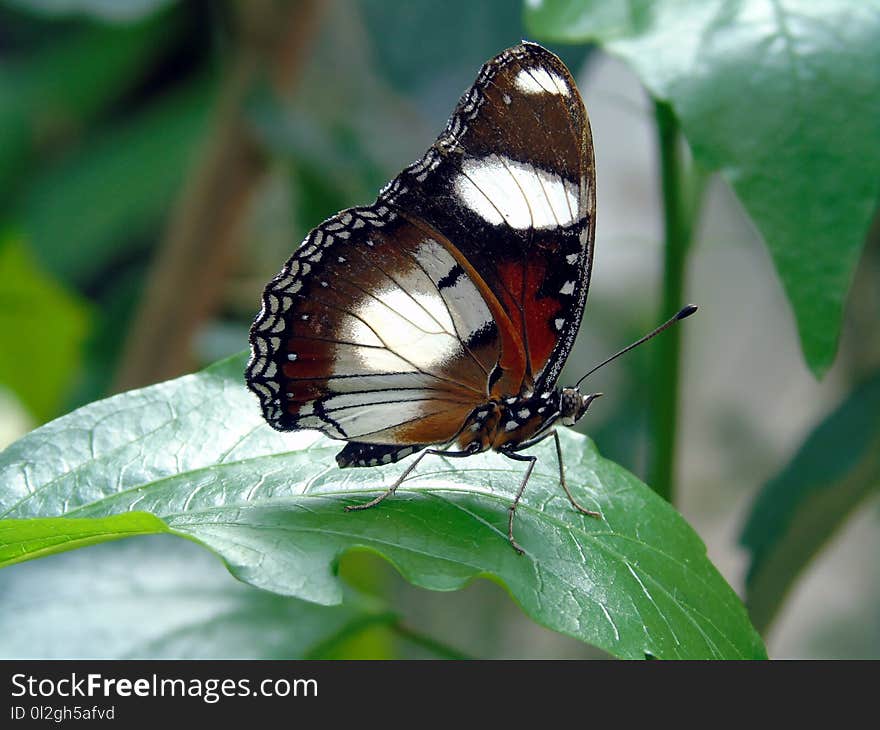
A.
pixel 393 488
pixel 574 503
pixel 511 511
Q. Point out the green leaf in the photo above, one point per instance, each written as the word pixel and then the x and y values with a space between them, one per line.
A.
pixel 783 98
pixel 158 598
pixel 22 540
pixel 196 453
pixel 836 469
pixel 42 329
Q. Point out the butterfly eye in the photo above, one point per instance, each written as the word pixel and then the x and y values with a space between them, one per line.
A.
pixel 570 406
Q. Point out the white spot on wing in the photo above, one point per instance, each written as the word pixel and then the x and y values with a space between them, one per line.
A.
pixel 502 190
pixel 407 323
pixel 466 305
pixel 540 81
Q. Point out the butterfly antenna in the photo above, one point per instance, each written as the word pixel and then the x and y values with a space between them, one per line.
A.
pixel 685 312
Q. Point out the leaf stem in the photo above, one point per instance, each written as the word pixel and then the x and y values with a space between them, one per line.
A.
pixel 679 210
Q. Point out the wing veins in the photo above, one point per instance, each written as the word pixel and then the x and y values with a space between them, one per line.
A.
pixel 547 197
pixel 359 437
pixel 330 409
pixel 483 193
pixel 403 289
pixel 449 311
pixel 337 342
pixel 521 191
pixel 420 305
pixel 395 352
pixel 390 309
pixel 570 128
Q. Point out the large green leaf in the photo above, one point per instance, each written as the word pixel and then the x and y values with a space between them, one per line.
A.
pixel 196 453
pixel 42 328
pixel 797 512
pixel 161 598
pixel 783 98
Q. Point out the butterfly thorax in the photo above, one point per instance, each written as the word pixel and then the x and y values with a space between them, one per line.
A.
pixel 508 422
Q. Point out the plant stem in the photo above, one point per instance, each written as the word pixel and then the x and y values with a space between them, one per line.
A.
pixel 678 215
pixel 186 281
pixel 426 642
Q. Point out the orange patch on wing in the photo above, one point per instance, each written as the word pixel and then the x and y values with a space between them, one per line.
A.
pixel 538 312
pixel 436 427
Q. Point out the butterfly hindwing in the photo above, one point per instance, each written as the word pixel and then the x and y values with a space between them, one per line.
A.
pixel 356 453
pixel 372 332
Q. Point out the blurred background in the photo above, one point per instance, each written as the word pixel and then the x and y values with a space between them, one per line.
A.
pixel 160 160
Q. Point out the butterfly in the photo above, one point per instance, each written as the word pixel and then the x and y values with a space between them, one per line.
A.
pixel 438 319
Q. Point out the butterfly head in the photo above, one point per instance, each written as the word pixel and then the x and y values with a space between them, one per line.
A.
pixel 573 405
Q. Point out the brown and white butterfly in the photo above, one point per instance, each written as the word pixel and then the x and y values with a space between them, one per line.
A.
pixel 443 313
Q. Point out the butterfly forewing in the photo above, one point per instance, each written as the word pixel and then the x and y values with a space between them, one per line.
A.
pixel 464 282
pixel 510 183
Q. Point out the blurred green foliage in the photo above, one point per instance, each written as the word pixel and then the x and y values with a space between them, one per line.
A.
pixel 43 328
pixel 796 513
pixel 167 598
pixel 97 123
